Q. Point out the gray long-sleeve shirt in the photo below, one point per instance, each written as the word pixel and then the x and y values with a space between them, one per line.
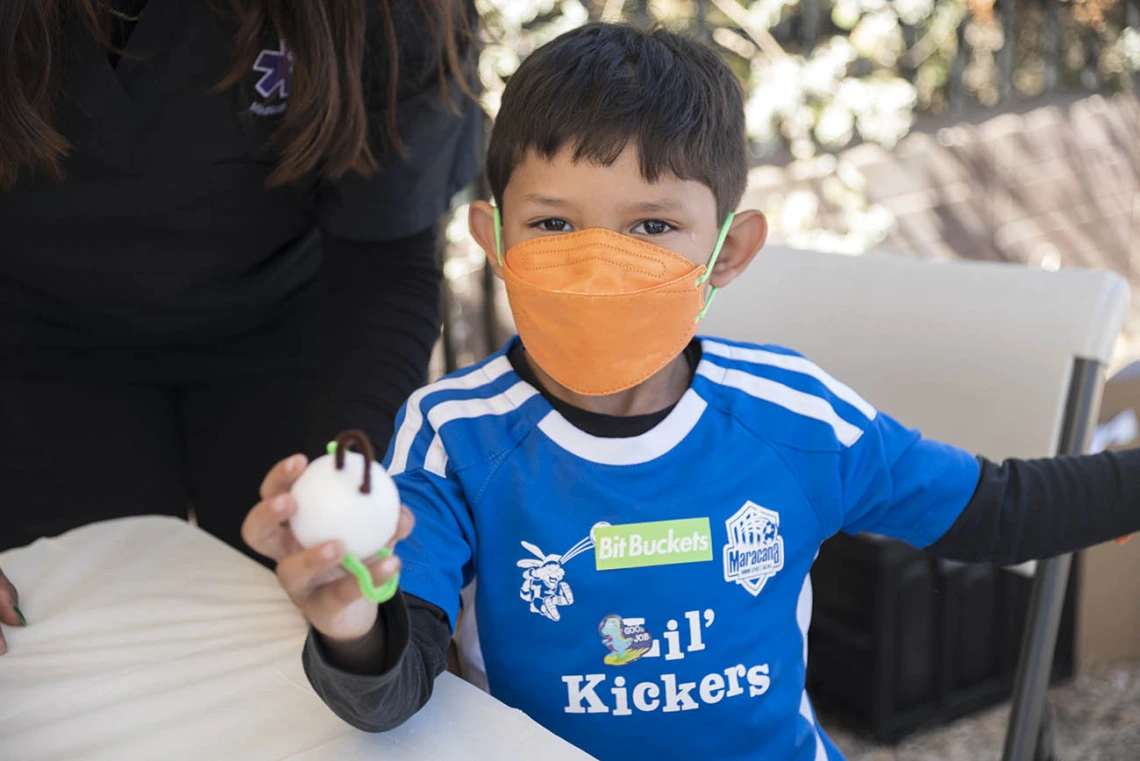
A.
pixel 394 676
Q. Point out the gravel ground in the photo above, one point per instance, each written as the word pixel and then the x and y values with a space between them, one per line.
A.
pixel 1096 718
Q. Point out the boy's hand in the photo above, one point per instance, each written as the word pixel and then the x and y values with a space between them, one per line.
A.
pixel 327 595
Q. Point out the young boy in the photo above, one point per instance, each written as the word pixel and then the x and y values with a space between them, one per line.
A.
pixel 641 508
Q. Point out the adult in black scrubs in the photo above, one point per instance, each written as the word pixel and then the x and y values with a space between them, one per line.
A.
pixel 217 242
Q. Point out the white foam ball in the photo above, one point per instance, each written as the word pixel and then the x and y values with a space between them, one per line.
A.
pixel 330 506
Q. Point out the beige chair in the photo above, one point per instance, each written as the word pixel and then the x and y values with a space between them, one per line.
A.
pixel 1003 360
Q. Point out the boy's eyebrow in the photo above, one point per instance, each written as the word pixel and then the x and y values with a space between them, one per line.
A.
pixel 547 200
pixel 662 204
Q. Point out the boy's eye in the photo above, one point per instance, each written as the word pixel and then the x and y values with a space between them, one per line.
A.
pixel 652 227
pixel 553 225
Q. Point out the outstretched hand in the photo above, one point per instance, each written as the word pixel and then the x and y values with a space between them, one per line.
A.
pixel 327 595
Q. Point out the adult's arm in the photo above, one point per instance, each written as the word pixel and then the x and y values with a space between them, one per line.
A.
pixel 380 320
pixel 380 275
pixel 9 609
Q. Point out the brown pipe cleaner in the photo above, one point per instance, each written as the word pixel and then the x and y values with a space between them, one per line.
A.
pixel 344 440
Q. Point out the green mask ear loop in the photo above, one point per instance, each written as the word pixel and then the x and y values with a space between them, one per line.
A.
pixel 499 236
pixel 712 263
pixel 377 594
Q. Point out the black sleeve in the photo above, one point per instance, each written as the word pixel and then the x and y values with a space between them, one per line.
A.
pixel 1031 509
pixel 380 319
pixel 376 698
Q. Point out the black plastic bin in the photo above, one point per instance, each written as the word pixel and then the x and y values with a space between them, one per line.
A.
pixel 900 640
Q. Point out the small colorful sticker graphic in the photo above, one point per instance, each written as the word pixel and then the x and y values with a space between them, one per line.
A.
pixel 626 641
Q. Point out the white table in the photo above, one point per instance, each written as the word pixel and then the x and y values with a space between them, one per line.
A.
pixel 150 640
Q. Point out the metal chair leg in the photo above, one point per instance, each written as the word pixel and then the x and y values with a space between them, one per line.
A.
pixel 1030 689
pixel 1045 747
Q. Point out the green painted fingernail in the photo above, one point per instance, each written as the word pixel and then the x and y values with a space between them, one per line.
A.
pixel 20 615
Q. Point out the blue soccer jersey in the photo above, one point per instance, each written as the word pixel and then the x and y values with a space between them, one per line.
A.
pixel 650 595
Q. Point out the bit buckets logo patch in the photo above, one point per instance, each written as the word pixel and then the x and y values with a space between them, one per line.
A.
pixel 637 545
pixel 626 640
pixel 754 552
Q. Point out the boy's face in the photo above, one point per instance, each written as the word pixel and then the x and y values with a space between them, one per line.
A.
pixel 558 196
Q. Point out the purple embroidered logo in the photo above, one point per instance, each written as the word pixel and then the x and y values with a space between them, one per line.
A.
pixel 276 67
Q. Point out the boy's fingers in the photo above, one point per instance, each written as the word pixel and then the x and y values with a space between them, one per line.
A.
pixel 3 644
pixel 263 528
pixel 281 477
pixel 384 568
pixel 335 596
pixel 404 527
pixel 301 572
pixel 329 576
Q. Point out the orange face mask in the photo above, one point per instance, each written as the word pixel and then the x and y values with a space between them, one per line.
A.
pixel 600 311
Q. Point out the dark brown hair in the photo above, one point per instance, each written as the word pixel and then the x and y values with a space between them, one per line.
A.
pixel 601 86
pixel 325 126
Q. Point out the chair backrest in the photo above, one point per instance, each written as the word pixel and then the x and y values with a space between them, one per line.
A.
pixel 978 355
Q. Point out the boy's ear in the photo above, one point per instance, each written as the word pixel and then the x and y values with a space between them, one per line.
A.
pixel 481 223
pixel 744 240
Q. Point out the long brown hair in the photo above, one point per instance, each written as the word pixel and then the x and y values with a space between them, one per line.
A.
pixel 325 125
